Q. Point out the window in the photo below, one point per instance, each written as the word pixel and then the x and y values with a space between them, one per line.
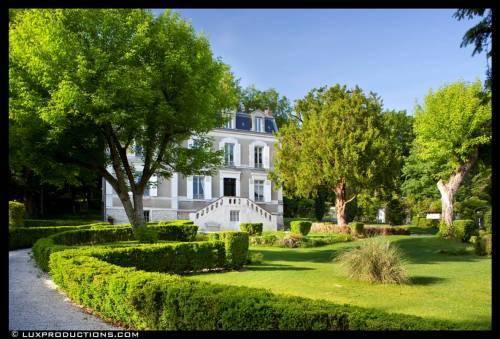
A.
pixel 234 216
pixel 258 190
pixel 259 125
pixel 258 151
pixel 146 216
pixel 229 123
pixel 198 187
pixel 229 154
pixel 138 150
pixel 146 190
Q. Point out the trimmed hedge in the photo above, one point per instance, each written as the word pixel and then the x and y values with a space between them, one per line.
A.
pixel 424 222
pixel 59 222
pixel 464 229
pixel 487 223
pixel 16 214
pixel 236 246
pixel 44 247
pixel 176 231
pixel 169 257
pixel 357 227
pixel 252 228
pixel 24 237
pixel 159 301
pixel 300 227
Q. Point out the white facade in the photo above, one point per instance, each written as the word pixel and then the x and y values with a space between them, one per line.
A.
pixel 208 200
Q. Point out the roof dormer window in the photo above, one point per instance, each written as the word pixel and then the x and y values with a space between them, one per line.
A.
pixel 259 124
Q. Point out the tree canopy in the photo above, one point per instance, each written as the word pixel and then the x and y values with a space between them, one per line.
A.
pixel 104 79
pixel 452 127
pixel 341 144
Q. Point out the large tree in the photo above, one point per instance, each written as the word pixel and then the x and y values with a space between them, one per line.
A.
pixel 340 144
pixel 452 127
pixel 100 81
pixel 252 98
pixel 479 35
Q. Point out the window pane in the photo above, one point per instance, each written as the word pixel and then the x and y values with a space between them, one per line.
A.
pixel 198 187
pixel 229 154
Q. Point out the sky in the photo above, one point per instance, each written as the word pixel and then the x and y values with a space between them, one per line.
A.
pixel 398 54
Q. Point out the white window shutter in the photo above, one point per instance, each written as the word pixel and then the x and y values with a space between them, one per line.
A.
pixel 266 156
pixel 109 188
pixel 251 189
pixel 153 189
pixel 267 190
pixel 208 187
pixel 189 181
pixel 237 152
pixel 251 155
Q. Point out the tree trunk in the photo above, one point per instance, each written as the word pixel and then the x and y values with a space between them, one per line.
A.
pixel 340 203
pixel 449 189
pixel 138 211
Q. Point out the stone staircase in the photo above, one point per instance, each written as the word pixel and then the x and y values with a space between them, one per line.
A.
pixel 217 215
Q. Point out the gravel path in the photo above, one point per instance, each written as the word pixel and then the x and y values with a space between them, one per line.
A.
pixel 35 304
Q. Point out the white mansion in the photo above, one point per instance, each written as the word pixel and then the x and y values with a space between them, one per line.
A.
pixel 239 192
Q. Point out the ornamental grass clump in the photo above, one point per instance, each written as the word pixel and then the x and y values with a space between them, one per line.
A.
pixel 376 261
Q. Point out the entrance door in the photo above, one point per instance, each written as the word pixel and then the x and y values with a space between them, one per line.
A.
pixel 229 187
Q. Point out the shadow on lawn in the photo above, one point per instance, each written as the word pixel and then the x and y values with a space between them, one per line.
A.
pixel 293 254
pixel 426 250
pixel 424 281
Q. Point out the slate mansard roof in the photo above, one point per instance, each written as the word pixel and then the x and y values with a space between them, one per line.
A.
pixel 244 122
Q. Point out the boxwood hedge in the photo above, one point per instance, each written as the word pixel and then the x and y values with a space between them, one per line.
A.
pixel 252 228
pixel 24 237
pixel 160 301
pixel 236 245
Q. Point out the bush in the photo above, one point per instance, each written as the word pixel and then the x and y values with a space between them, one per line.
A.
pixel 146 234
pixel 424 222
pixel 356 227
pixel 300 227
pixel 179 230
pixel 44 247
pixel 464 229
pixel 60 222
pixel 252 228
pixel 487 221
pixel 324 240
pixel 16 214
pixel 167 257
pixel 371 231
pixel 322 227
pixel 395 213
pixel 265 240
pixel 291 240
pixel 24 237
pixel 482 244
pixel 377 260
pixel 255 258
pixel 236 246
pixel 159 301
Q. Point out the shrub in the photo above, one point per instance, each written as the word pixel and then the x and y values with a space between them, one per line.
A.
pixel 16 214
pixel 395 212
pixel 357 227
pixel 146 234
pixel 424 222
pixel 252 228
pixel 291 240
pixel 324 240
pixel 236 246
pixel 444 230
pixel 377 260
pixel 464 229
pixel 255 258
pixel 159 301
pixel 322 227
pixel 179 230
pixel 300 227
pixel 482 244
pixel 61 222
pixel 44 247
pixel 24 237
pixel 371 231
pixel 167 257
pixel 265 240
pixel 487 222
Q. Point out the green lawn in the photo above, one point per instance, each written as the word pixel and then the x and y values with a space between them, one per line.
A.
pixel 444 286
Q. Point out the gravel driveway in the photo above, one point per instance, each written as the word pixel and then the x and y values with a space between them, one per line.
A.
pixel 35 304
